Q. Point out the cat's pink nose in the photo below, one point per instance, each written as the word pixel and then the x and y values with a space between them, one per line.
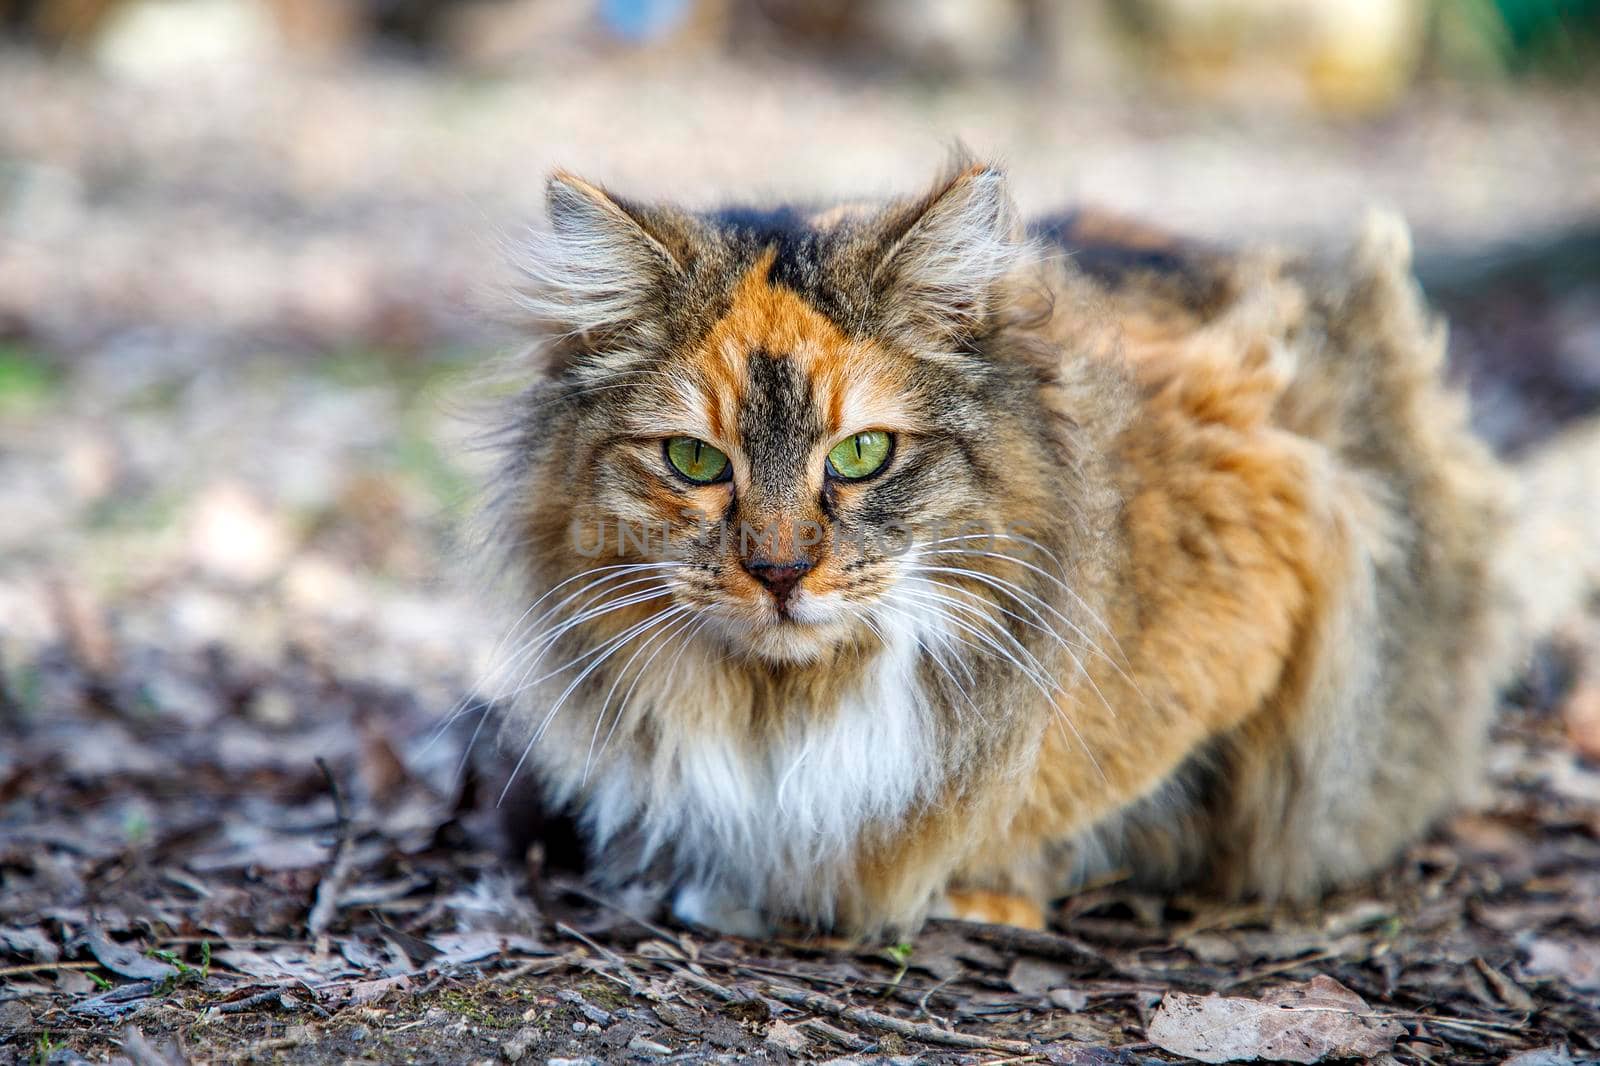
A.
pixel 780 579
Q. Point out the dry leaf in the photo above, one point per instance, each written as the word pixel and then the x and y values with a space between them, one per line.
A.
pixel 1545 1056
pixel 946 954
pixel 123 960
pixel 1577 962
pixel 786 1037
pixel 1069 999
pixel 1298 1023
pixel 1036 977
pixel 1505 989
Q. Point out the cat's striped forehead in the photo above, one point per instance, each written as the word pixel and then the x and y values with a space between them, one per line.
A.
pixel 774 367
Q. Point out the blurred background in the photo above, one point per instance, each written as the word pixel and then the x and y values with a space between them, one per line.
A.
pixel 249 249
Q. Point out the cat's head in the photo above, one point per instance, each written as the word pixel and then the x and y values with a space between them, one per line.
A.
pixel 753 424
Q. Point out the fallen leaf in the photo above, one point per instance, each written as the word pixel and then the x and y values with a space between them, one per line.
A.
pixel 454 949
pixel 125 961
pixel 1069 999
pixel 1505 989
pixel 1298 1023
pixel 288 963
pixel 29 943
pixel 1545 1056
pixel 947 954
pixel 1035 977
pixel 1577 962
pixel 786 1037
pixel 120 1002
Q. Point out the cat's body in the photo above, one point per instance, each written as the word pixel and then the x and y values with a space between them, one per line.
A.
pixel 1194 572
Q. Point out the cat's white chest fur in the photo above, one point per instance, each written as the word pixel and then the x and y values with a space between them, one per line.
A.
pixel 756 827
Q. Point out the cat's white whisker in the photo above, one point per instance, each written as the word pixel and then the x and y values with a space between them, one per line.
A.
pixel 1028 665
pixel 1060 582
pixel 1067 648
pixel 1023 598
pixel 687 636
pixel 1078 630
pixel 570 624
pixel 676 625
pixel 611 646
pixel 652 572
pixel 932 654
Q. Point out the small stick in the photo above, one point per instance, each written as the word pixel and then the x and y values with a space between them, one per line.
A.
pixel 705 984
pixel 922 1003
pixel 626 979
pixel 1276 968
pixel 1028 941
pixel 326 906
pixel 846 1040
pixel 1458 1023
pixel 238 1006
pixel 928 1034
pixel 46 967
pixel 665 934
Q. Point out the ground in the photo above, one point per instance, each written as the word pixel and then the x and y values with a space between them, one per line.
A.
pixel 238 820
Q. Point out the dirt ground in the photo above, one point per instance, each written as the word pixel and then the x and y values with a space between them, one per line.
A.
pixel 241 323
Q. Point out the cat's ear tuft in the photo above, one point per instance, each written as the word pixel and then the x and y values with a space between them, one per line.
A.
pixel 948 255
pixel 600 269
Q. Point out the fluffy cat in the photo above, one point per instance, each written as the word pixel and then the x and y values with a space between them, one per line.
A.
pixel 906 559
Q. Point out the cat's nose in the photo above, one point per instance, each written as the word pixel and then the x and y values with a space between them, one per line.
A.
pixel 780 578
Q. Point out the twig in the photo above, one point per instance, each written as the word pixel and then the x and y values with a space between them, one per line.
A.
pixel 665 934
pixel 625 980
pixel 922 1003
pixel 705 984
pixel 1028 941
pixel 1276 968
pixel 928 1034
pixel 46 967
pixel 238 1006
pixel 1459 1023
pixel 848 1041
pixel 326 906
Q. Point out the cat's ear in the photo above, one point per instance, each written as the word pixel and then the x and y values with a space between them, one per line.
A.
pixel 946 256
pixel 604 265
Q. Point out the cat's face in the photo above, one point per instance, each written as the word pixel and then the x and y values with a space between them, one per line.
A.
pixel 775 427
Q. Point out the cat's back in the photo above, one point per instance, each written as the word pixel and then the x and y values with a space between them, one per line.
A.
pixel 1337 362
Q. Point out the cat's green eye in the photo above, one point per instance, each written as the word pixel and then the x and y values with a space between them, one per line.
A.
pixel 696 460
pixel 860 455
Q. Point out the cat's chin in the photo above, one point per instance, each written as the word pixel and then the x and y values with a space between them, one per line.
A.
pixel 788 642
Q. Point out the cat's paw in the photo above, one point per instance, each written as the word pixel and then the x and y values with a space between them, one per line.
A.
pixel 994 908
pixel 710 908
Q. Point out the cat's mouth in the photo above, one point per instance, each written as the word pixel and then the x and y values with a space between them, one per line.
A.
pixel 802 630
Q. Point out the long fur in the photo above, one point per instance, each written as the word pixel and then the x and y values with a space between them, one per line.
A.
pixel 1201 577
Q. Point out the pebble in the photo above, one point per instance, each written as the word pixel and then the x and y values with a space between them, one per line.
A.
pixel 649 1047
pixel 515 1047
pixel 15 1016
